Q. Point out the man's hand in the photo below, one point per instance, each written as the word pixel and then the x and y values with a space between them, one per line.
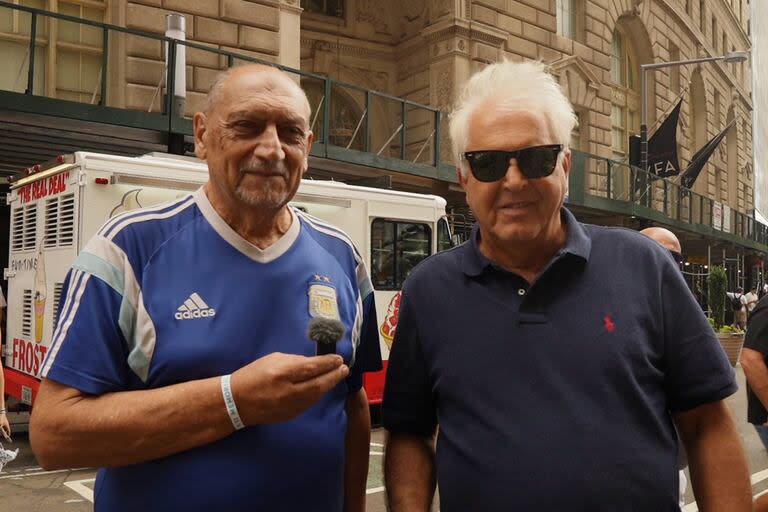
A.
pixel 5 427
pixel 277 387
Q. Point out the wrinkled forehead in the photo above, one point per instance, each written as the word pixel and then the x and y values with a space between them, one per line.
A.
pixel 263 91
pixel 494 126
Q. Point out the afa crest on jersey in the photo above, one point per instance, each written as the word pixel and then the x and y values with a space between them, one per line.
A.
pixel 322 298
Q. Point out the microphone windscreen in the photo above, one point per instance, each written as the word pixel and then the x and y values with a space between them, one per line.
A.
pixel 325 330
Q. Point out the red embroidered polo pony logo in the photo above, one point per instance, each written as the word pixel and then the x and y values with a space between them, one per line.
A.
pixel 608 323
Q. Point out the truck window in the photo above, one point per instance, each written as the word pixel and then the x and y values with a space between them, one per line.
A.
pixel 397 247
pixel 443 235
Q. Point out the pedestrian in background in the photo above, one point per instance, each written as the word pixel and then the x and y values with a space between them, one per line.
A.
pixel 753 361
pixel 669 240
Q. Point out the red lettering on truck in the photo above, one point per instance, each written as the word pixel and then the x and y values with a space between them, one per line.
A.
pixel 28 357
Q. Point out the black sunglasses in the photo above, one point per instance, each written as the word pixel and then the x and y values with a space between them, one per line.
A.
pixel 534 162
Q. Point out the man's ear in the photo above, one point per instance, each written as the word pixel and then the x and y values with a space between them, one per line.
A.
pixel 567 161
pixel 310 138
pixel 462 179
pixel 199 128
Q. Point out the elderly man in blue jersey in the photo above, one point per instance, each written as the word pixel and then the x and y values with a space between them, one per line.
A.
pixel 551 352
pixel 180 363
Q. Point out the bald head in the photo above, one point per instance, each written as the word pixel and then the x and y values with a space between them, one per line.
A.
pixel 272 80
pixel 664 237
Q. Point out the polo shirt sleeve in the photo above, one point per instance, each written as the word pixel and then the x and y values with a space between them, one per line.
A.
pixel 408 405
pixel 696 368
pixel 88 351
pixel 757 328
pixel 368 353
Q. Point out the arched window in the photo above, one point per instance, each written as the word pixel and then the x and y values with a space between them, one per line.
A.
pixel 345 120
pixel 732 149
pixel 699 136
pixel 625 115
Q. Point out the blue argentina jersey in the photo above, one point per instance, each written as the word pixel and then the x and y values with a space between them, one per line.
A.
pixel 171 294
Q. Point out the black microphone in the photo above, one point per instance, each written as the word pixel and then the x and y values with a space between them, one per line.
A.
pixel 325 332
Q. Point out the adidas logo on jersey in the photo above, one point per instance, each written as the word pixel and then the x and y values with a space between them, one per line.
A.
pixel 194 307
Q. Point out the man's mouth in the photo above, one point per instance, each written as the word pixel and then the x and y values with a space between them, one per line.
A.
pixel 517 205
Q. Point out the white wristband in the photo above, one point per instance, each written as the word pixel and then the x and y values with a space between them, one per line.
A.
pixel 229 401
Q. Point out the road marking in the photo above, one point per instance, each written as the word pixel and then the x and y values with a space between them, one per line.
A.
pixel 74 501
pixel 35 473
pixel 374 490
pixel 379 445
pixel 80 488
pixel 375 453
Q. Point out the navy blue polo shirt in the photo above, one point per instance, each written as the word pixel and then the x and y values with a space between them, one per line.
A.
pixel 555 395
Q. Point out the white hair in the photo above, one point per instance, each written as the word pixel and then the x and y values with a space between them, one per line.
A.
pixel 524 86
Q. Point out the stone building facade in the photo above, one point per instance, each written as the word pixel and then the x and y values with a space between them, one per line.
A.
pixel 423 50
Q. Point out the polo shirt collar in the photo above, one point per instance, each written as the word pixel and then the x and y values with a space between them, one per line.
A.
pixel 577 244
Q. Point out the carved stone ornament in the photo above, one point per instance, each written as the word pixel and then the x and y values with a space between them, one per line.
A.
pixel 444 90
pixel 438 9
pixel 578 81
pixel 370 11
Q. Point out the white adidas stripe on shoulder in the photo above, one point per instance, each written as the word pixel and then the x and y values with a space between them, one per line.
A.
pixel 329 229
pixel 65 323
pixel 120 222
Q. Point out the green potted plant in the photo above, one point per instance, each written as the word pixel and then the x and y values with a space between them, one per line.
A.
pixel 731 339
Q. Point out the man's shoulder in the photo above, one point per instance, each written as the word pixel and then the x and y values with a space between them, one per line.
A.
pixel 439 269
pixel 155 218
pixel 139 233
pixel 327 235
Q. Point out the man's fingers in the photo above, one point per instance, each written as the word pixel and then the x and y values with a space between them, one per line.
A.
pixel 318 386
pixel 311 367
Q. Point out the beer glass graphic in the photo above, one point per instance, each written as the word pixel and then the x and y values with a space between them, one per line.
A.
pixel 40 293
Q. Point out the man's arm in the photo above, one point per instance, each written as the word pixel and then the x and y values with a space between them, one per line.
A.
pixel 358 441
pixel 753 363
pixel 718 467
pixel 69 428
pixel 409 472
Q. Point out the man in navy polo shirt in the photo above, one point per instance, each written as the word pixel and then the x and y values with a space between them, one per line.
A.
pixel 550 351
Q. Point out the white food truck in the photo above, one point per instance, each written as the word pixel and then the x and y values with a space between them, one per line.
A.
pixel 58 206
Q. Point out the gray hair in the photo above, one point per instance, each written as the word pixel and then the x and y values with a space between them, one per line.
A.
pixel 524 86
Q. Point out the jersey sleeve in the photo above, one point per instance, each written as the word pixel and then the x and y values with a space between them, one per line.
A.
pixel 697 370
pixel 368 352
pixel 90 348
pixel 408 405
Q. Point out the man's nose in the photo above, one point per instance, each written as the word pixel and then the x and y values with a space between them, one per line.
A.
pixel 514 177
pixel 268 144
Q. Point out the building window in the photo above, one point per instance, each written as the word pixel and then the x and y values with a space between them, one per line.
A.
pixel 702 18
pixel 327 7
pixel 577 131
pixel 714 33
pixel 397 247
pixel 625 118
pixel 674 71
pixel 566 18
pixel 717 109
pixel 76 50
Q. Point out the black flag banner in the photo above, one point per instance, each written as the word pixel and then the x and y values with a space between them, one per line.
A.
pixel 700 158
pixel 662 146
